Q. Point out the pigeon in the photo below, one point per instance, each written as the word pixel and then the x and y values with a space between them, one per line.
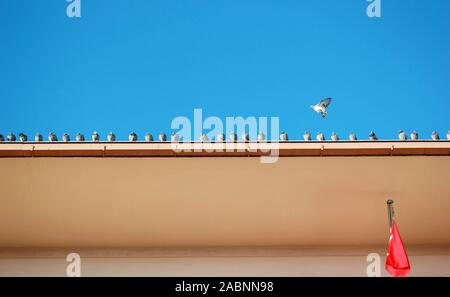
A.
pixel 448 135
pixel 132 137
pixel 148 137
pixel 204 138
pixel 320 136
pixel 174 137
pixel 261 136
pixel 414 135
pixel 2 138
pixel 37 137
pixel 306 136
pixel 435 135
pixel 220 137
pixel 162 137
pixel 23 137
pixel 352 137
pixel 95 136
pixel 373 136
pixel 284 136
pixel 11 137
pixel 66 137
pixel 334 137
pixel 321 107
pixel 52 137
pixel 245 137
pixel 79 137
pixel 111 137
pixel 233 137
pixel 402 135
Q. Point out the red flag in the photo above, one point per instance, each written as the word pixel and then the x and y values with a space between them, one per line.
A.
pixel 397 263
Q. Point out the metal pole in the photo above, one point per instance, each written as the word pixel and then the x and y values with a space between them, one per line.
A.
pixel 390 208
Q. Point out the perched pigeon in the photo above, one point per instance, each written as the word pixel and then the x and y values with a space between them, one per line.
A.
pixel 162 137
pixel 284 136
pixel 373 136
pixel 204 138
pixel 334 136
pixel 352 137
pixel 148 137
pixel 11 137
pixel 52 137
pixel 37 137
pixel 306 136
pixel 174 137
pixel 245 137
pixel 79 137
pixel 320 136
pixel 233 137
pixel 2 138
pixel 435 135
pixel 132 137
pixel 261 136
pixel 448 135
pixel 414 135
pixel 95 136
pixel 111 137
pixel 402 135
pixel 23 137
pixel 66 137
pixel 321 107
pixel 220 137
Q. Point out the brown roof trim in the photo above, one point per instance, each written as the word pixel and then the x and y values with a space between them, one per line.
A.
pixel 228 149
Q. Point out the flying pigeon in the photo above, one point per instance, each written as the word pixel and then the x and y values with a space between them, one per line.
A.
pixel 321 107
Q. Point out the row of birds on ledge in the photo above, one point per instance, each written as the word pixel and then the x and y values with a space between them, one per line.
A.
pixel 204 138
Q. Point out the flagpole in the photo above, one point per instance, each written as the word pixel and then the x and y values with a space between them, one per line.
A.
pixel 390 208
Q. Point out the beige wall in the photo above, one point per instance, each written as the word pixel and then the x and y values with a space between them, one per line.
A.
pixel 148 202
pixel 315 203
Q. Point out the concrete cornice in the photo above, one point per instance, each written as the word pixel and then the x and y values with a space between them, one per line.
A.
pixel 226 149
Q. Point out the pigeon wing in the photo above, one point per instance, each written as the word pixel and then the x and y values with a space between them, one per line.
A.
pixel 325 102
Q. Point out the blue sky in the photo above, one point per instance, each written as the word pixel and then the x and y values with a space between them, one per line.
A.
pixel 135 65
